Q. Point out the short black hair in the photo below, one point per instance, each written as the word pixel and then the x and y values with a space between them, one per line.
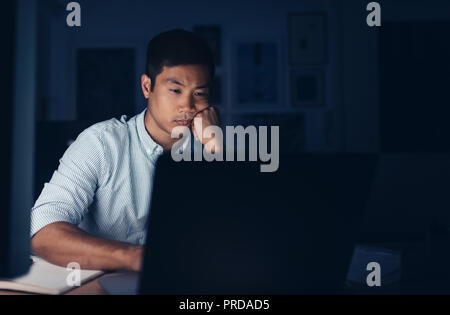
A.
pixel 174 48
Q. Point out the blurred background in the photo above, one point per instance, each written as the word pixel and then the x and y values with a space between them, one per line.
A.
pixel 313 67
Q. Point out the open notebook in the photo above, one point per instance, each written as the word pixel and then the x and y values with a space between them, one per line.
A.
pixel 46 278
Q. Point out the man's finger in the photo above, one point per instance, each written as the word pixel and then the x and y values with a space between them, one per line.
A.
pixel 209 106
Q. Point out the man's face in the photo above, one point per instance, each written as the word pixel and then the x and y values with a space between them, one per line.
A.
pixel 179 92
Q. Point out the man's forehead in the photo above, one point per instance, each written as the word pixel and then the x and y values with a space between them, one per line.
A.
pixel 185 75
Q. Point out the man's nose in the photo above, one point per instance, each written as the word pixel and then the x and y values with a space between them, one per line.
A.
pixel 187 104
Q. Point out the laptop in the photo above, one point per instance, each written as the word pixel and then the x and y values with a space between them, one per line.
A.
pixel 227 228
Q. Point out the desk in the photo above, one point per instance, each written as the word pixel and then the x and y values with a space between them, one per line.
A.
pixel 89 288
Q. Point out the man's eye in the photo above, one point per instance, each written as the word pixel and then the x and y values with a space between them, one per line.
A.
pixel 176 91
pixel 201 94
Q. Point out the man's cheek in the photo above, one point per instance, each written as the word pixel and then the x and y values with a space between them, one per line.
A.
pixel 202 106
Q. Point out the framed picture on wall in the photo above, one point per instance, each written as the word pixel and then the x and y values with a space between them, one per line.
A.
pixel 307 38
pixel 307 87
pixel 112 96
pixel 256 74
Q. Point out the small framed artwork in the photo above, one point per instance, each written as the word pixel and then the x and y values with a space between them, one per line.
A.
pixel 256 79
pixel 213 36
pixel 307 88
pixel 307 38
pixel 112 96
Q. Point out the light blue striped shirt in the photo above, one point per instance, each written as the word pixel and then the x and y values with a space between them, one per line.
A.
pixel 104 182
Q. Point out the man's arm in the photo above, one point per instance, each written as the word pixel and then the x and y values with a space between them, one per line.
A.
pixel 61 243
pixel 65 201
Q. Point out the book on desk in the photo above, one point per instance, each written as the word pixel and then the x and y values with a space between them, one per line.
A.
pixel 46 278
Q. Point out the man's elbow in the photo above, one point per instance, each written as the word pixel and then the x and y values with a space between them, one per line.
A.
pixel 44 242
pixel 39 242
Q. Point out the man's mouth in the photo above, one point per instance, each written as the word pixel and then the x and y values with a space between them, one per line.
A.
pixel 183 122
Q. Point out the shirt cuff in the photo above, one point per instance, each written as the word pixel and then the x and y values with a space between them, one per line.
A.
pixel 41 217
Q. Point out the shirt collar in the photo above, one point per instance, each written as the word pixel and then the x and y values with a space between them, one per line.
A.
pixel 151 147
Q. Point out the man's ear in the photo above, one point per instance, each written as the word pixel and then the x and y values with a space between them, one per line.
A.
pixel 146 85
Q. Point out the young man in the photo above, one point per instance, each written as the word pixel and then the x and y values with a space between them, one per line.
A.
pixel 94 209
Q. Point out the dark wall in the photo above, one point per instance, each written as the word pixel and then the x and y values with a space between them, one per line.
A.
pixel 6 85
pixel 414 80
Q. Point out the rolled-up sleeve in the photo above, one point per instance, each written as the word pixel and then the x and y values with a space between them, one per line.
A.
pixel 70 191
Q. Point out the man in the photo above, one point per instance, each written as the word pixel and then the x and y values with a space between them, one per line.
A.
pixel 94 209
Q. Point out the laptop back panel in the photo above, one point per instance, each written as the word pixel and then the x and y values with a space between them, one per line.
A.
pixel 227 228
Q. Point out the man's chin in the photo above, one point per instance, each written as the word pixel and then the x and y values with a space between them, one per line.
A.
pixel 176 125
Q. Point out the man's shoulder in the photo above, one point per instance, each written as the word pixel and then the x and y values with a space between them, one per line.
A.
pixel 111 130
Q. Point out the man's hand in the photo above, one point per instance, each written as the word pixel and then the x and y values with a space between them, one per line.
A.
pixel 202 119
